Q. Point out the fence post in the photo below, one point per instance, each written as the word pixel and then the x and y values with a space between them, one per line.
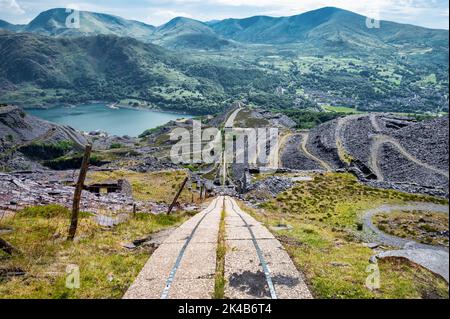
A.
pixel 177 195
pixel 7 247
pixel 78 191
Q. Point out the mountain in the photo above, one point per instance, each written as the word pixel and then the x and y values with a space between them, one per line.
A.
pixel 39 70
pixel 323 29
pixel 327 56
pixel 188 33
pixel 53 23
pixel 10 27
pixel 323 25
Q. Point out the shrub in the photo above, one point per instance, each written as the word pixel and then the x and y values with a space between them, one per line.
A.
pixel 115 146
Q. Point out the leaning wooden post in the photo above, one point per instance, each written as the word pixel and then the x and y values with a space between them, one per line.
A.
pixel 7 247
pixel 78 190
pixel 177 195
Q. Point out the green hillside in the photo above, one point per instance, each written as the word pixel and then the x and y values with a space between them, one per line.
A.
pixel 39 70
pixel 324 57
pixel 53 23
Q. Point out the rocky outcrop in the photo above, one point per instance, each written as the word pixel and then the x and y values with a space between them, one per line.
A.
pixel 21 134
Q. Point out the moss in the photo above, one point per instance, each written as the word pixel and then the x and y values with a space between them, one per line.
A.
pixel 220 281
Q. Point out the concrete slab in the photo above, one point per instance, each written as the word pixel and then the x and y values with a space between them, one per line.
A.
pixel 194 275
pixel 192 289
pixel 189 254
pixel 243 266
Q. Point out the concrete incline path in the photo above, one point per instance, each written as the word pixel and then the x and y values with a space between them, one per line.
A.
pixel 256 264
pixel 183 267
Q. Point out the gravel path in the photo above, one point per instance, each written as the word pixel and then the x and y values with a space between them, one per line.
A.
pixel 433 258
pixel 304 147
pixel 394 241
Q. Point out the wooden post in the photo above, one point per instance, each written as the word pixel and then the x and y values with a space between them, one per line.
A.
pixel 201 192
pixel 78 190
pixel 7 247
pixel 134 209
pixel 177 195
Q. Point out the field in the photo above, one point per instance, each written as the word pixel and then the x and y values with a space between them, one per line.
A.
pixel 158 186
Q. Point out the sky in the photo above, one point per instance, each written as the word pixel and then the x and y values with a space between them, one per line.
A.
pixel 427 13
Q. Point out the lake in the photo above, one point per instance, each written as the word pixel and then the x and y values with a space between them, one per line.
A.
pixel 92 117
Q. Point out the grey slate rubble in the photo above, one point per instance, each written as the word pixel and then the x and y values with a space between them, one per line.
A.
pixel 426 141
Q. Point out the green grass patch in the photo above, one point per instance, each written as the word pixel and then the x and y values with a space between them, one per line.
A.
pixel 49 211
pixel 106 268
pixel 115 146
pixel 154 186
pixel 326 240
pixel 422 226
pixel 341 109
pixel 47 151
pixel 219 284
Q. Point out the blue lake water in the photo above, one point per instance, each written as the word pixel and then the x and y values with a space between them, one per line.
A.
pixel 92 117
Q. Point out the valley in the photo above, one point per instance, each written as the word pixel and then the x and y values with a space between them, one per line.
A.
pixel 190 65
pixel 355 185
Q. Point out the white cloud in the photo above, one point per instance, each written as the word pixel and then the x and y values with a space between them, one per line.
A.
pixel 432 13
pixel 11 7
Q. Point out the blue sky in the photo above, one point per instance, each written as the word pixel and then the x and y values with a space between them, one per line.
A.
pixel 428 13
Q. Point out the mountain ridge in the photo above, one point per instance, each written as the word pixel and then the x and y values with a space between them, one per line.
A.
pixel 324 25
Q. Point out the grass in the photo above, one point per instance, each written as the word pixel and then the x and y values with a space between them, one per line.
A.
pixel 245 120
pixel 219 285
pixel 155 186
pixel 326 242
pixel 106 268
pixel 423 227
pixel 341 109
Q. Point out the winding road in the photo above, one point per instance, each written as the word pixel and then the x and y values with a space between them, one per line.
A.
pixel 303 145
